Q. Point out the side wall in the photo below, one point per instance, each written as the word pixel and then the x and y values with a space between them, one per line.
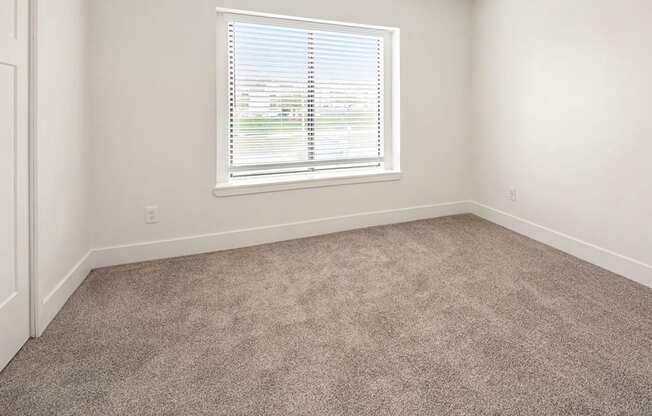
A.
pixel 63 153
pixel 562 96
pixel 153 77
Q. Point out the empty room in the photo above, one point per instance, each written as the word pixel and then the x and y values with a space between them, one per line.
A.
pixel 344 207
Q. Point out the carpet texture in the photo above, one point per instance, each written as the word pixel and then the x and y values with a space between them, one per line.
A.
pixel 451 316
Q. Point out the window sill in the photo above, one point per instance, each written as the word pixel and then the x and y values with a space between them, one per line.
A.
pixel 294 181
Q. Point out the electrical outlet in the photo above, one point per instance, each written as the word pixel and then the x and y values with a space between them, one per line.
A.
pixel 151 214
pixel 512 194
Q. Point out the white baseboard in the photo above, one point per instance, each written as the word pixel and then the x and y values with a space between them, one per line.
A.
pixel 131 253
pixel 153 250
pixel 617 263
pixel 54 301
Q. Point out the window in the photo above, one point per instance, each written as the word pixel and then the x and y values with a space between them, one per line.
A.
pixel 304 103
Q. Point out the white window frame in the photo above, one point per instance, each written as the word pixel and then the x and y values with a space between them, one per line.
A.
pixel 390 170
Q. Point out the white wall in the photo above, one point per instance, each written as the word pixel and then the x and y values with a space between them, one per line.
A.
pixel 63 150
pixel 562 98
pixel 154 124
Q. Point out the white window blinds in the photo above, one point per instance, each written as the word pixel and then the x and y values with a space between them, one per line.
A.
pixel 302 100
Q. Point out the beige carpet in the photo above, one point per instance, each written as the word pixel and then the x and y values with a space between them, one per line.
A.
pixel 452 316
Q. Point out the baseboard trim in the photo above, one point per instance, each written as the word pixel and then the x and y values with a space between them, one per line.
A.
pixel 131 253
pixel 628 267
pixel 111 256
pixel 154 250
pixel 54 301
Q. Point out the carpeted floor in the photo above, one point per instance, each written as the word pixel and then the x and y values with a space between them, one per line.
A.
pixel 452 316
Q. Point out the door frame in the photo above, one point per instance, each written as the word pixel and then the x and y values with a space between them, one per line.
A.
pixel 33 169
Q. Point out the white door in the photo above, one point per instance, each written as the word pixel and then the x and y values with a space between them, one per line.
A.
pixel 14 168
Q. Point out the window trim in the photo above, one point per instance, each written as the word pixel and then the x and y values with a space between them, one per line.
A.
pixel 390 170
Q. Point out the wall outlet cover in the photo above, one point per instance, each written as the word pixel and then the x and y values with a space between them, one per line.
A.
pixel 151 214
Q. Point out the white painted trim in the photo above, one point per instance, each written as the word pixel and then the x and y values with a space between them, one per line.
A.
pixel 153 250
pixel 54 301
pixel 395 117
pixel 628 267
pixel 33 170
pixel 226 10
pixel 308 180
pixel 131 253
